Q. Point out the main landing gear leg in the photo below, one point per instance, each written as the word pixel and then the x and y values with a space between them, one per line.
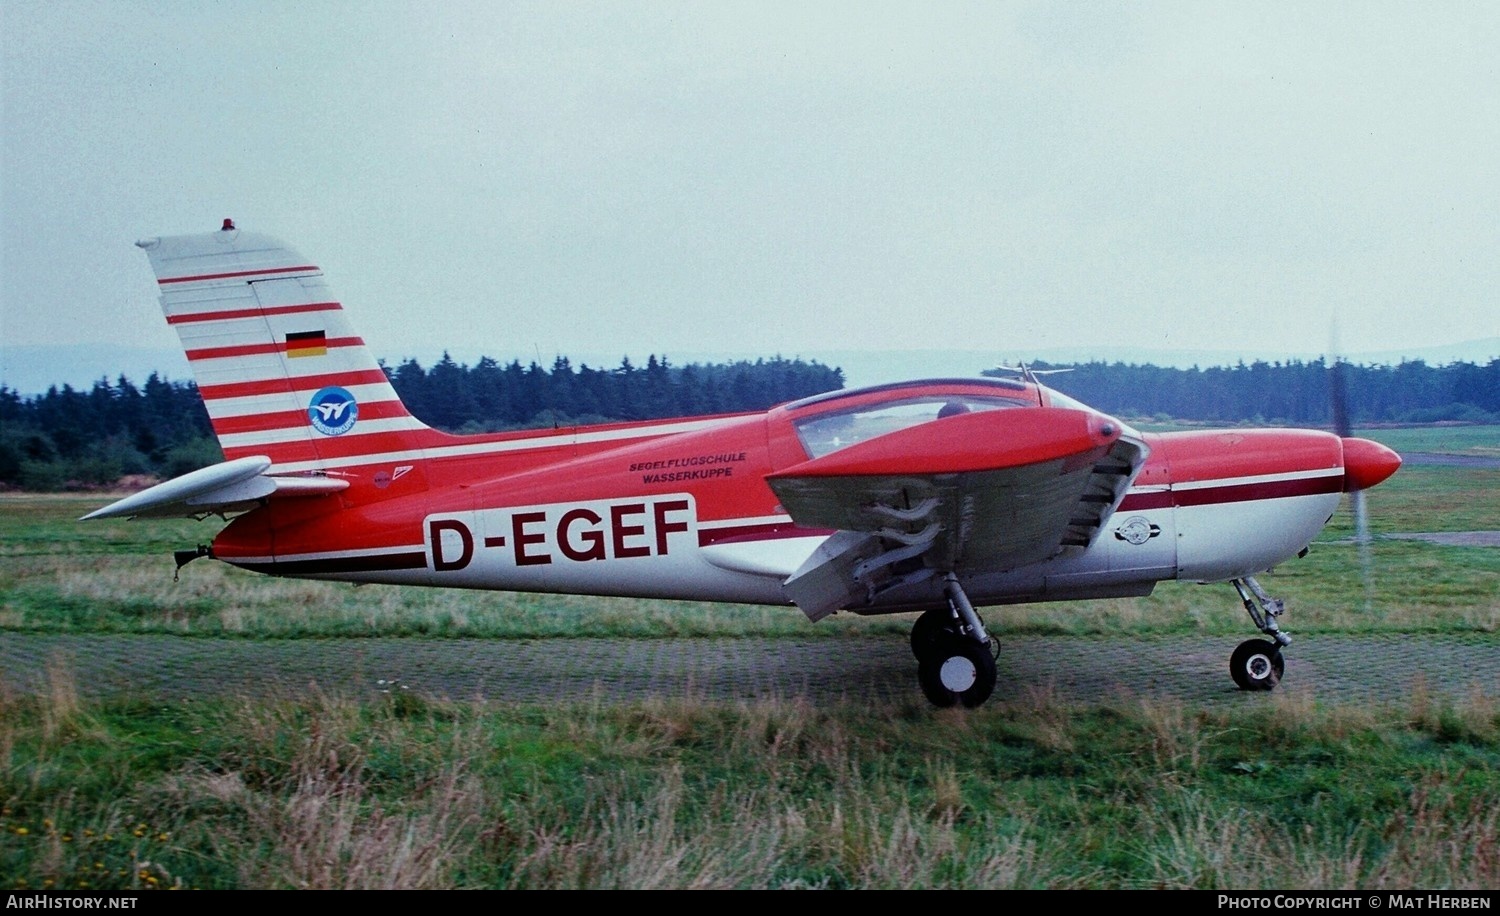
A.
pixel 955 656
pixel 1257 663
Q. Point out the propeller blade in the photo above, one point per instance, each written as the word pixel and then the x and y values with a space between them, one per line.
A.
pixel 1338 390
pixel 1365 464
pixel 1362 546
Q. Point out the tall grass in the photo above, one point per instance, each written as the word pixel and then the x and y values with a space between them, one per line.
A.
pixel 318 792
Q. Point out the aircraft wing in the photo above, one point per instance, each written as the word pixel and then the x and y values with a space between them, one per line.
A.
pixel 979 492
pixel 230 486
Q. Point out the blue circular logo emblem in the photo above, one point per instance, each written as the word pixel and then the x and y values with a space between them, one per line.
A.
pixel 332 411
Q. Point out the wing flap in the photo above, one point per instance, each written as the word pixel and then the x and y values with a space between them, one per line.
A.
pixel 828 580
pixel 975 493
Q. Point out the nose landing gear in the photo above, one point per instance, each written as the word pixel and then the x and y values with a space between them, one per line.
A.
pixel 1257 663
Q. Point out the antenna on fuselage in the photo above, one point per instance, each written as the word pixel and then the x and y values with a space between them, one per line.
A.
pixel 1029 374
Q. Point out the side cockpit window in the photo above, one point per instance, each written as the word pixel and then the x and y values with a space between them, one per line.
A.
pixel 838 429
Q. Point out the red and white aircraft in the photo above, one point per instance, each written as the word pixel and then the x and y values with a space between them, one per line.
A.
pixel 932 496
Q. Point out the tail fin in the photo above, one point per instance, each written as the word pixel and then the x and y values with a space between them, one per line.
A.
pixel 279 368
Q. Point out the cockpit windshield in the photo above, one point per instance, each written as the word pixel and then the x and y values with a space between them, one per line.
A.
pixel 1058 399
pixel 838 429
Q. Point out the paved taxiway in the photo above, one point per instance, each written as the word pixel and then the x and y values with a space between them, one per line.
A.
pixel 1363 669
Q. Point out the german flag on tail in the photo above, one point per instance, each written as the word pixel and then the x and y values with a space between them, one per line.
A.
pixel 306 343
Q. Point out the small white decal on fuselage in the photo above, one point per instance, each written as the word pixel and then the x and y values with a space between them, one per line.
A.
pixel 1137 530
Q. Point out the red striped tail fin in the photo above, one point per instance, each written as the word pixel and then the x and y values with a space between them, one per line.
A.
pixel 280 370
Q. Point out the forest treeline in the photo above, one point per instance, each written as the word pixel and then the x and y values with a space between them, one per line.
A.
pixel 67 437
pixel 488 396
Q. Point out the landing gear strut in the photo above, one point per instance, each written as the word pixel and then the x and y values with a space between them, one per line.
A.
pixel 955 656
pixel 1257 663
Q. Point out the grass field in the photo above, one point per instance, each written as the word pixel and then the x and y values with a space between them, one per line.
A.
pixel 1280 792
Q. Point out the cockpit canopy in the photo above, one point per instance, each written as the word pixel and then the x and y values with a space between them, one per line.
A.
pixel 829 432
pixel 829 422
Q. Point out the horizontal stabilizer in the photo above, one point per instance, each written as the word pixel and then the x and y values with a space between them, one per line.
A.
pixel 230 486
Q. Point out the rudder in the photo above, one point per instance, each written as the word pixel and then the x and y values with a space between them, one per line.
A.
pixel 278 365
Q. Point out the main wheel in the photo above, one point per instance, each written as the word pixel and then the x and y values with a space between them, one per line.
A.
pixel 932 628
pixel 1256 665
pixel 958 672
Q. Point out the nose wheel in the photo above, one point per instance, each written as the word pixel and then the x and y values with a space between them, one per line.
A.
pixel 1256 665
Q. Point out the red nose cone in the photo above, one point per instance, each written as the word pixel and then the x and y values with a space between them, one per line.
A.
pixel 1367 463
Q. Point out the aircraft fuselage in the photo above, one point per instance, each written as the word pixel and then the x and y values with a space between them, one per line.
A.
pixel 684 515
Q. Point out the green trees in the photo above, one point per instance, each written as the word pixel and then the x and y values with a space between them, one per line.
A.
pixel 68 438
pixel 489 396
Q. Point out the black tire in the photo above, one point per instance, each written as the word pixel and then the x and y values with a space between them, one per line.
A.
pixel 1257 665
pixel 933 629
pixel 960 673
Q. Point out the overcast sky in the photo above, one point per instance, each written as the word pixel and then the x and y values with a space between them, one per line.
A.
pixel 762 178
